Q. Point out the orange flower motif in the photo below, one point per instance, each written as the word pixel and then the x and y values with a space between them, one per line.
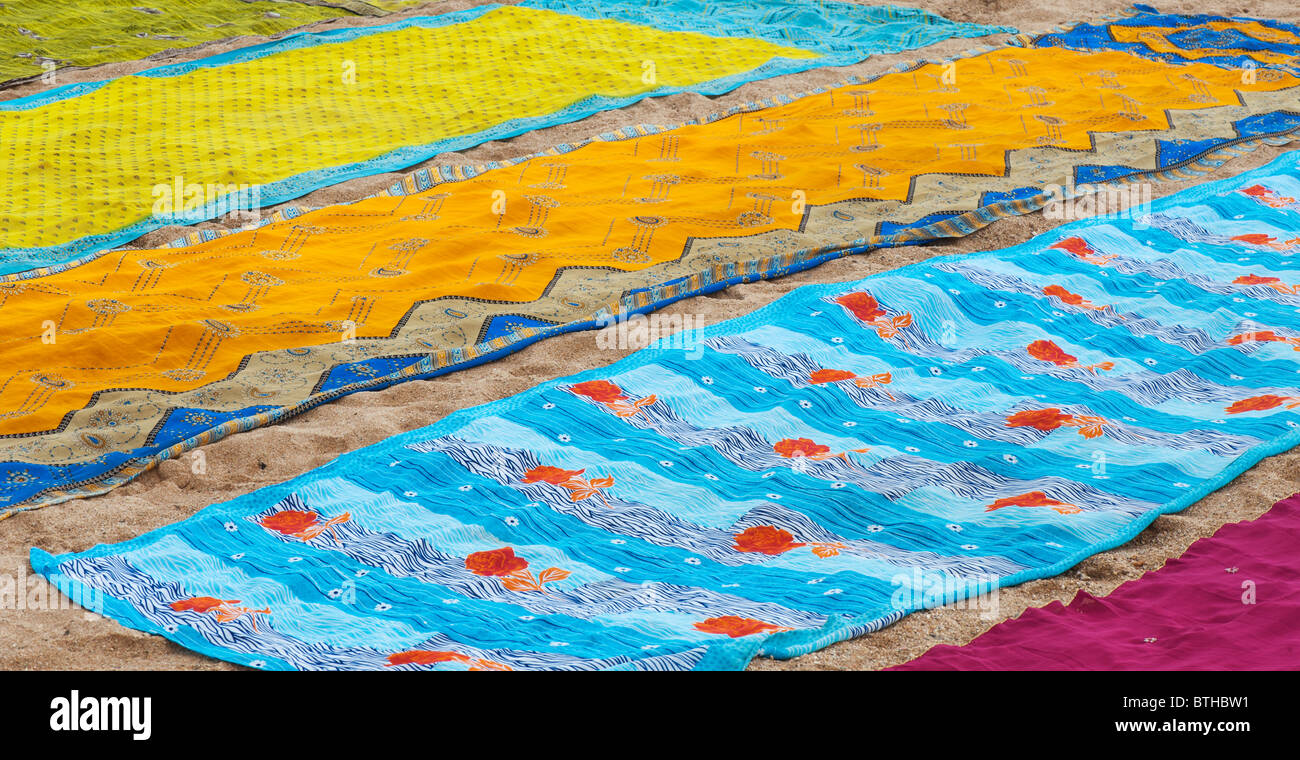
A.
pixel 735 627
pixel 864 306
pixel 765 539
pixel 1048 351
pixel 803 448
pixel 1034 499
pixel 612 397
pixel 495 563
pixel 770 540
pixel 1263 336
pixel 599 390
pixel 200 604
pixel 830 376
pixel 223 609
pixel 432 657
pixel 1051 419
pixel 513 571
pixel 424 657
pixel 579 488
pixel 303 525
pixel 1272 282
pixel 1079 248
pixel 836 375
pixel 1262 403
pixel 554 475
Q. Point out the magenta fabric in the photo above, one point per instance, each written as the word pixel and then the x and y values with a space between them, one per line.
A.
pixel 1189 615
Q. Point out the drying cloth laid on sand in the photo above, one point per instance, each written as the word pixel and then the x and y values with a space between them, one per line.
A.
pixel 39 36
pixel 774 483
pixel 157 351
pixel 1229 603
pixel 1234 42
pixel 99 164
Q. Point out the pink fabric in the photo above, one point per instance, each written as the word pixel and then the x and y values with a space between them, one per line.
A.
pixel 1189 615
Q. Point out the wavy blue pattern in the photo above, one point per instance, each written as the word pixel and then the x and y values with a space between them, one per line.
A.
pixel 639 515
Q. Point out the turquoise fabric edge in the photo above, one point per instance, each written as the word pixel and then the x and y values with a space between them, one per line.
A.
pixel 724 655
pixel 17 260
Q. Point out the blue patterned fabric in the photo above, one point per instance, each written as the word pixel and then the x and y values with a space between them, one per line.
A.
pixel 1192 34
pixel 772 484
pixel 844 33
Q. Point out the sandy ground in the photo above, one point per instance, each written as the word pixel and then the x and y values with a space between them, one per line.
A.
pixel 73 639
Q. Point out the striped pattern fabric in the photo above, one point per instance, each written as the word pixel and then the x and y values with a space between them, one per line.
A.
pixel 162 350
pixel 260 125
pixel 775 483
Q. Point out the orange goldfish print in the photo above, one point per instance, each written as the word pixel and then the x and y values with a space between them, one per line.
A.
pixel 1051 419
pixel 770 540
pixel 225 610
pixel 1263 403
pixel 1268 196
pixel 1048 351
pixel 1074 299
pixel 1264 336
pixel 579 488
pixel 735 627
pixel 1267 241
pixel 433 657
pixel 864 306
pixel 1271 282
pixel 836 375
pixel 612 397
pixel 1034 499
pixel 1080 249
pixel 512 570
pixel 303 525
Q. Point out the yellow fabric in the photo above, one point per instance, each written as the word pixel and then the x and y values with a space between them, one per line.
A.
pixel 71 33
pixel 101 161
pixel 174 319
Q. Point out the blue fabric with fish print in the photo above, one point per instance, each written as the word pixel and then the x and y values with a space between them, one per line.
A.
pixel 772 484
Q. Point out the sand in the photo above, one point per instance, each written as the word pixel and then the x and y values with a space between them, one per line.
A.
pixel 74 639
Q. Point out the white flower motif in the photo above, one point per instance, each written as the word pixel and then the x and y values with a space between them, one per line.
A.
pixel 850 423
pixel 618 541
pixel 231 527
pixel 969 547
pixel 512 521
pixel 692 560
pixel 838 485
pixel 805 404
pixel 837 339
pixel 875 528
pixel 706 380
pixel 954 527
pixel 237 556
pixel 410 494
pixel 257 664
pixel 548 405
pixel 833 592
pixel 383 607
pixel 665 463
pixel 774 496
pixel 1010 458
pixel 526 618
pixel 563 438
pixel 466 488
pixel 295 559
